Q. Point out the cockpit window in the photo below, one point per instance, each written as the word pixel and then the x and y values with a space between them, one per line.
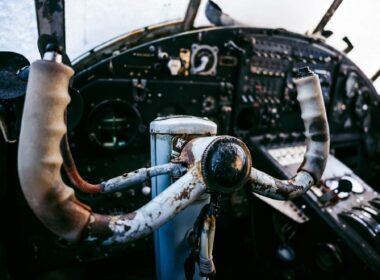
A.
pixel 359 22
pixel 18 30
pixel 92 22
pixel 293 15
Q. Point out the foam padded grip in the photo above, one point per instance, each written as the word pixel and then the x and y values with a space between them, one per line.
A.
pixel 39 158
pixel 313 114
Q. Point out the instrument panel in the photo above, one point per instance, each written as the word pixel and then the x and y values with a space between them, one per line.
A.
pixel 241 78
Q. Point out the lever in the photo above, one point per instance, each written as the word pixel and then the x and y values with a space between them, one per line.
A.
pixel 313 114
pixel 358 225
pixel 202 66
pixel 375 213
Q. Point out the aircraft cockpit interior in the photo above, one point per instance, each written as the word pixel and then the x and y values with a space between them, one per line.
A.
pixel 202 143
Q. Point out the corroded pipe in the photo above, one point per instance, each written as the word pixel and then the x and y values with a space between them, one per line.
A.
pixel 142 175
pixel 313 114
pixel 118 183
pixel 39 164
pixel 72 172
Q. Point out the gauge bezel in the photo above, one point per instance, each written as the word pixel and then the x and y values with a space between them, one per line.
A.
pixel 195 49
pixel 130 108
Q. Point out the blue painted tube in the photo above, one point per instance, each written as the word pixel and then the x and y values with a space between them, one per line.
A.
pixel 171 248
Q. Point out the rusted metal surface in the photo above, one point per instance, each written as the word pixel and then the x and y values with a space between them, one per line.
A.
pixel 72 171
pixel 55 204
pixel 268 186
pixel 193 151
pixel 125 228
pixel 226 164
pixel 118 183
pixel 141 175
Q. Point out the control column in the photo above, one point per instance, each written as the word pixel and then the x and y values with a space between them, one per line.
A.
pixel 168 136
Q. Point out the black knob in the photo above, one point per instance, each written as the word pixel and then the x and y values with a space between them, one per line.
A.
pixel 344 186
pixel 226 164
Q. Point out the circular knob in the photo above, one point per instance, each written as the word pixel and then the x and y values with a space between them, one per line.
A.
pixel 226 164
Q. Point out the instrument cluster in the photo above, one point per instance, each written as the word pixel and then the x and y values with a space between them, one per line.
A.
pixel 241 78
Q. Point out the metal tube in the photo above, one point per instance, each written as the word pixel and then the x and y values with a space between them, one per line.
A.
pixel 191 13
pixel 170 240
pixel 121 229
pixel 72 172
pixel 313 114
pixel 268 186
pixel 375 76
pixel 118 183
pixel 141 175
pixel 327 16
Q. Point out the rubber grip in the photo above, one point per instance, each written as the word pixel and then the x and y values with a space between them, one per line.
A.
pixel 314 117
pixel 39 158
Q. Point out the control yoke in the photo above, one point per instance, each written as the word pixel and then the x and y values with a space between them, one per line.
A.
pixel 213 164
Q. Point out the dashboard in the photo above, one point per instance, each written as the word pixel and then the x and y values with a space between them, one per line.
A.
pixel 240 78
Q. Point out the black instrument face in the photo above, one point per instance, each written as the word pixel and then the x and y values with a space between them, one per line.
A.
pixel 113 124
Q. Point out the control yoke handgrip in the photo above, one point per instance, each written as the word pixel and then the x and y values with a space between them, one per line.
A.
pixel 313 114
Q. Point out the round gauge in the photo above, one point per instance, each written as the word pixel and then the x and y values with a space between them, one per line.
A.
pixel 209 104
pixel 114 124
pixel 204 59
